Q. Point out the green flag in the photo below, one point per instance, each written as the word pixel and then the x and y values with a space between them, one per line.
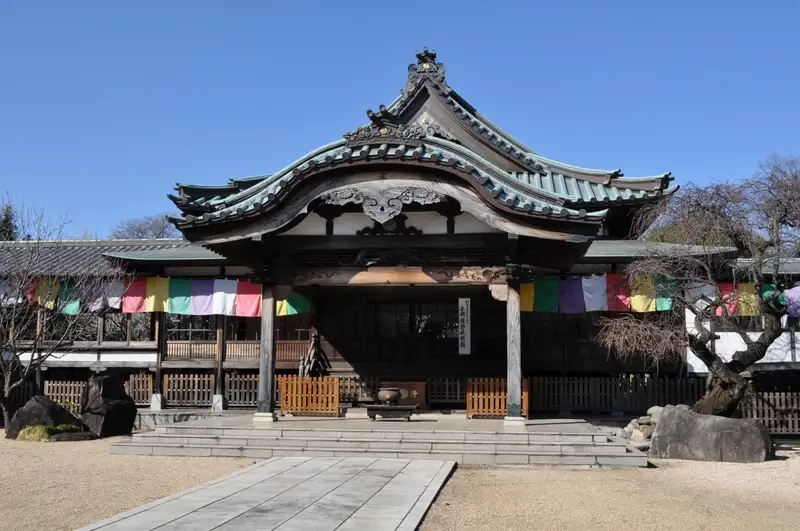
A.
pixel 180 296
pixel 545 294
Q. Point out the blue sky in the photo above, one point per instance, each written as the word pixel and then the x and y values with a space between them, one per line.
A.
pixel 105 105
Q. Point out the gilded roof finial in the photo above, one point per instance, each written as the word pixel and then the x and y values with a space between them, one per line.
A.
pixel 426 57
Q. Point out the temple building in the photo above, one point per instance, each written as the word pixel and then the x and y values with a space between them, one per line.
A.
pixel 405 251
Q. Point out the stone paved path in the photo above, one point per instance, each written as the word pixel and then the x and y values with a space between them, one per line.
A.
pixel 300 493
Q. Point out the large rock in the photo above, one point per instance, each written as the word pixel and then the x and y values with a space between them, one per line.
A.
pixel 683 434
pixel 105 408
pixel 72 436
pixel 39 411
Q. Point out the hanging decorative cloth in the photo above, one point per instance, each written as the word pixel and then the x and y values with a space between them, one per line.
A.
pixel 133 300
pixel 729 299
pixel 570 295
pixel 546 295
pixel 224 301
pixel 180 296
pixel 113 292
pixel 748 302
pixel 700 295
pixel 293 304
pixel 47 292
pixel 526 297
pixel 248 299
pixel 665 289
pixel 643 294
pixel 202 302
pixel 595 294
pixel 69 302
pixel 793 301
pixel 619 299
pixel 157 294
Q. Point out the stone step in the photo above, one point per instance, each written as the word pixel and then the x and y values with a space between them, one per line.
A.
pixel 316 433
pixel 383 444
pixel 628 459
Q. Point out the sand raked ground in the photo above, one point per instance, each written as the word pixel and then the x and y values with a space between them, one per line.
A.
pixel 678 495
pixel 68 485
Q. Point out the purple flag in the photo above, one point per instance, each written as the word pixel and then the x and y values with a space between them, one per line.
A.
pixel 793 302
pixel 202 297
pixel 570 295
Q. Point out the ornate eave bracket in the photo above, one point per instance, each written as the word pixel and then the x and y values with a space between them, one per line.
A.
pixel 382 204
pixel 426 67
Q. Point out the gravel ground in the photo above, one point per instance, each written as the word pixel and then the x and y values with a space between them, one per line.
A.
pixel 680 495
pixel 71 484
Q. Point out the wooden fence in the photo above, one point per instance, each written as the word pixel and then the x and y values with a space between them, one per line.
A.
pixel 355 389
pixel 140 388
pixel 316 395
pixel 600 394
pixel 241 389
pixel 446 391
pixel 188 389
pixel 488 397
pixel 66 393
pixel 778 411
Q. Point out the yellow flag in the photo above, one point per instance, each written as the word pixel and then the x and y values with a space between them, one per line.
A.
pixel 748 305
pixel 157 295
pixel 526 297
pixel 643 294
pixel 47 292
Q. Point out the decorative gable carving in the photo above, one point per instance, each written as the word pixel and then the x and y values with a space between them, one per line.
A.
pixel 382 203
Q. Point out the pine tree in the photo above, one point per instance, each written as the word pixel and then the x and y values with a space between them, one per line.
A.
pixel 8 226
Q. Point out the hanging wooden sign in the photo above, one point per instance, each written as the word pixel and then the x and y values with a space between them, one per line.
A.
pixel 464 324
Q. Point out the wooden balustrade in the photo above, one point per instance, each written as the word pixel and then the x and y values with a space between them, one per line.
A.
pixel 355 389
pixel 446 391
pixel 241 389
pixel 66 393
pixel 285 350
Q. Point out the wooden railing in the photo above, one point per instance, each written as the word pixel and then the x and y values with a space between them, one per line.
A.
pixel 285 350
pixel 242 350
pixel 290 350
pixel 488 397
pixel 188 389
pixel 316 395
pixel 184 350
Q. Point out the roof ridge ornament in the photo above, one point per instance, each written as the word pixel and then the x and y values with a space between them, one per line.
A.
pixel 385 124
pixel 426 68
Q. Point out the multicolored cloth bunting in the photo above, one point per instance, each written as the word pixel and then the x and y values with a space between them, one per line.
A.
pixel 619 298
pixel 133 300
pixel 248 299
pixel 292 305
pixel 526 297
pixel 570 295
pixel 595 293
pixel 545 298
pixel 180 296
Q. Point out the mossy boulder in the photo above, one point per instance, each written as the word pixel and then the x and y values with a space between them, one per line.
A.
pixel 41 411
pixel 44 433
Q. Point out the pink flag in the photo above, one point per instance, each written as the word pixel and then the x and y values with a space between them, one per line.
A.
pixel 729 296
pixel 619 297
pixel 248 299
pixel 133 300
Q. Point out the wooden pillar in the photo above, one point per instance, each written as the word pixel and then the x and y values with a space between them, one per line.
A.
pixel 38 380
pixel 266 361
pixel 157 401
pixel 219 402
pixel 513 353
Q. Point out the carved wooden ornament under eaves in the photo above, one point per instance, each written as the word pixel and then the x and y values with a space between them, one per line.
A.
pixel 382 203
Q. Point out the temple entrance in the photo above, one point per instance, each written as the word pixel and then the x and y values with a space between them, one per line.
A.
pixel 410 332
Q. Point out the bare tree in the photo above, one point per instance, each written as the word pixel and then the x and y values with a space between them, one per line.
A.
pixel 146 228
pixel 756 220
pixel 45 307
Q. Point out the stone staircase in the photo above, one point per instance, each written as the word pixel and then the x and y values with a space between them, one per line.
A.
pixel 467 447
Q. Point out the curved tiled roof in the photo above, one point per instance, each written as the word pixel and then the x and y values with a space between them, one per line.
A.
pixel 547 189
